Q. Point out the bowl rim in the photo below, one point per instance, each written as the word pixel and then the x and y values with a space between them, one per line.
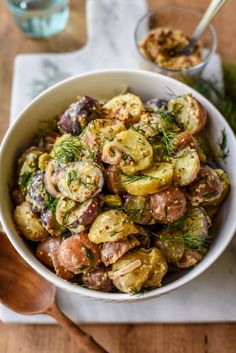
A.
pixel 74 288
pixel 191 70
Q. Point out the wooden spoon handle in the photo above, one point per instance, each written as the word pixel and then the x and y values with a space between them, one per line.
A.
pixel 85 341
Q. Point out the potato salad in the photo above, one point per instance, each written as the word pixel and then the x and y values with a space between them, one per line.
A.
pixel 114 195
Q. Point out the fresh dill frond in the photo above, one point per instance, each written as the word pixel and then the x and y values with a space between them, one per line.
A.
pixel 89 254
pixel 23 180
pixel 141 292
pixel 71 150
pixel 167 142
pixel 51 203
pixel 74 176
pixel 223 145
pixel 132 178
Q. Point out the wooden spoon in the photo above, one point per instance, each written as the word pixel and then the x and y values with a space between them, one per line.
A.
pixel 26 292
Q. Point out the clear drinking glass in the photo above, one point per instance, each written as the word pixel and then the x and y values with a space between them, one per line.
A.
pixel 186 20
pixel 40 18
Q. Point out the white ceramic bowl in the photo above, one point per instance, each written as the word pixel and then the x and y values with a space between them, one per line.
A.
pixel 104 84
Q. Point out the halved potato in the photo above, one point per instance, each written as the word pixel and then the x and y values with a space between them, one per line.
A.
pixel 111 226
pixel 210 188
pixel 130 151
pixel 79 181
pixel 98 132
pixel 189 111
pixel 126 108
pixel 150 181
pixel 29 223
pixel 139 269
pixel 186 166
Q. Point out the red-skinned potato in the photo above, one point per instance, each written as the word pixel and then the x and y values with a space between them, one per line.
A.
pixel 77 254
pixel 97 280
pixel 210 187
pixel 46 252
pixel 168 205
pixel 112 251
pixel 183 140
pixel 113 180
pixel 190 258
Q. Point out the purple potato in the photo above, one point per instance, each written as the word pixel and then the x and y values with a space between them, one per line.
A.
pixel 156 104
pixel 36 192
pixel 50 223
pixel 97 280
pixel 79 114
pixel 85 213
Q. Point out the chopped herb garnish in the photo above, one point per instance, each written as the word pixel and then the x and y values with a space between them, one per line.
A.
pixel 89 253
pixel 140 292
pixel 51 203
pixel 132 178
pixel 71 150
pixel 23 180
pixel 73 176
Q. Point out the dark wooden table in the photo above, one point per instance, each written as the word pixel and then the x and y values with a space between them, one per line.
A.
pixel 198 338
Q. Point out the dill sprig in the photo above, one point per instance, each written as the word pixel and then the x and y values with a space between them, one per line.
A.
pixel 167 142
pixel 23 180
pixel 71 150
pixel 141 292
pixel 51 203
pixel 73 176
pixel 223 145
pixel 132 178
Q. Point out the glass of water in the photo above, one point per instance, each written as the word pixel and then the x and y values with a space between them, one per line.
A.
pixel 40 18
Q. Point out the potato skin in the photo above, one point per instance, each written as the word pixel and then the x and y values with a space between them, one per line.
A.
pixel 29 223
pixel 77 253
pixel 193 116
pixel 97 280
pixel 113 180
pixel 36 192
pixel 79 114
pixel 46 252
pixel 183 140
pixel 47 249
pixel 50 223
pixel 189 259
pixel 210 187
pixel 168 205
pixel 111 252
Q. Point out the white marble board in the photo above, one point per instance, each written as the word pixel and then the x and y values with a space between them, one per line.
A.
pixel 209 298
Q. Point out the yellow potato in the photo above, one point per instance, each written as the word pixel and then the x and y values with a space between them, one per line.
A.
pixel 138 270
pixel 126 108
pixel 189 111
pixel 130 151
pixel 29 223
pixel 150 181
pixel 111 226
pixel 186 166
